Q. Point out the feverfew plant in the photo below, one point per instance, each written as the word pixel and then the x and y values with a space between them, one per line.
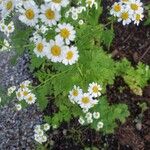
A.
pixel 7 29
pixel 40 133
pixel 128 11
pixel 23 94
pixel 85 100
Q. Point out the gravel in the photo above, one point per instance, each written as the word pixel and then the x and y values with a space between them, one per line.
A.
pixel 16 127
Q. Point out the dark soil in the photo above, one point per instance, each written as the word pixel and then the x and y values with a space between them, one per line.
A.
pixel 133 43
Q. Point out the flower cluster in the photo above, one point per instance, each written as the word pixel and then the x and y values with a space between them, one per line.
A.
pixel 89 118
pixel 128 11
pixel 7 29
pixel 59 49
pixel 74 12
pixel 24 93
pixel 85 100
pixel 39 133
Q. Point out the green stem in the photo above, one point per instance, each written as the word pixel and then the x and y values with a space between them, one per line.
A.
pixel 49 79
pixel 80 71
pixel 28 45
pixel 24 46
pixel 1 44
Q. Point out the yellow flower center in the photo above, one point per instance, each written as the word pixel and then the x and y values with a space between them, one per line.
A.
pixel 9 5
pixel 22 86
pixel 50 14
pixel 69 55
pixel 30 98
pixel 117 8
pixel 95 89
pixel 134 7
pixel 25 93
pixel 19 94
pixel 75 92
pixel 56 1
pixel 9 27
pixel 138 17
pixel 64 33
pixel 40 47
pixel 3 27
pixel 56 50
pixel 29 14
pixel 85 100
pixel 125 15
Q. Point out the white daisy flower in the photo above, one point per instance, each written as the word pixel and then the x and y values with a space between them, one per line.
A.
pixel 73 10
pixel 74 16
pixel 91 3
pixel 75 94
pixel 66 32
pixel 18 107
pixel 30 98
pixel 125 17
pixel 40 46
pixel 20 3
pixel 37 127
pixel 25 92
pixel 135 6
pixel 48 15
pixel 24 84
pixel 38 138
pixel 89 120
pixel 100 125
pixel 10 28
pixel 67 14
pixel 81 22
pixel 39 131
pixel 88 115
pixel 96 115
pixel 116 9
pixel 85 110
pixel 80 9
pixel 29 14
pixel 35 36
pixel 57 4
pixel 137 18
pixel 55 50
pixel 43 28
pixel 3 27
pixel 86 101
pixel 46 126
pixel 81 120
pixel 11 90
pixel 7 7
pixel 19 94
pixel 70 55
pixel 44 139
pixel 94 89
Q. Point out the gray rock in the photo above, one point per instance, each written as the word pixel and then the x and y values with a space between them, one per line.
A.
pixel 16 128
